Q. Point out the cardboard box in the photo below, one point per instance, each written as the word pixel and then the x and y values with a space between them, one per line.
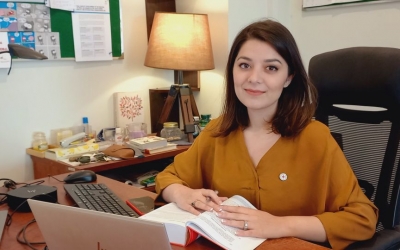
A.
pixel 40 154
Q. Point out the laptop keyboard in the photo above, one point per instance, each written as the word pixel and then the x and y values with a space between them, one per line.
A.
pixel 98 197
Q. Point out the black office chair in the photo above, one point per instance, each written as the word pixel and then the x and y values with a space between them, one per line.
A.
pixel 365 77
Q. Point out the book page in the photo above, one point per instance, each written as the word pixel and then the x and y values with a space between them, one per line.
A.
pixel 209 226
pixel 174 219
pixel 238 200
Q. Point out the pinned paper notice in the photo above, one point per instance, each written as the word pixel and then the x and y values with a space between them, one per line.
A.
pixel 94 6
pixel 5 58
pixel 61 4
pixel 92 36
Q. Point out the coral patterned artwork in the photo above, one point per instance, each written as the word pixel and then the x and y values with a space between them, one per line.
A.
pixel 128 108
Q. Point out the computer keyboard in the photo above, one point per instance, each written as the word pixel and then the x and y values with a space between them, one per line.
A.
pixel 97 196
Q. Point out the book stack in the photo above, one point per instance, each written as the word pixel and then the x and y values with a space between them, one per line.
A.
pixel 152 144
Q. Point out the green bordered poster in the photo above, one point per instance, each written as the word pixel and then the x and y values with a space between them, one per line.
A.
pixel 60 22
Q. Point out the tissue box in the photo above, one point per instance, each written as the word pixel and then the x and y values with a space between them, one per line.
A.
pixel 64 153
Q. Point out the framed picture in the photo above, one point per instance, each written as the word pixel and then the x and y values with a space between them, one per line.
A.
pixel 128 108
pixel 316 4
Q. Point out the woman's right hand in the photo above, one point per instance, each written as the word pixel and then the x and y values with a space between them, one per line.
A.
pixel 194 201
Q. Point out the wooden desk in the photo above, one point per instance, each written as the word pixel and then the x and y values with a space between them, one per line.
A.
pixel 42 167
pixel 33 234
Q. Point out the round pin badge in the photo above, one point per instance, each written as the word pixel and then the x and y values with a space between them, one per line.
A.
pixel 283 177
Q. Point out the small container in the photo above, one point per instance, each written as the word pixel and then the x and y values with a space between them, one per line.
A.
pixel 137 130
pixel 171 132
pixel 197 129
pixel 119 139
pixel 205 119
pixel 39 141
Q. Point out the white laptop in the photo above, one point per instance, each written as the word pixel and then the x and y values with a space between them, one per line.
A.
pixel 66 227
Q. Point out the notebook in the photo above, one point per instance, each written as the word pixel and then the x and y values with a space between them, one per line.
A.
pixel 66 227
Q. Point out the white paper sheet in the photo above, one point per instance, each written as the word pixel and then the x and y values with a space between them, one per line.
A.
pixel 92 36
pixel 68 5
pixel 94 6
pixel 5 58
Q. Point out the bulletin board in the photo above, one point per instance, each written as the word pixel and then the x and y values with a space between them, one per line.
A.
pixel 61 21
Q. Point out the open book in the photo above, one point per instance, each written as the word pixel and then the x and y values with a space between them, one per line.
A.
pixel 183 227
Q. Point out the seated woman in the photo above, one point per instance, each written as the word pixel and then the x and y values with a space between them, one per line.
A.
pixel 266 147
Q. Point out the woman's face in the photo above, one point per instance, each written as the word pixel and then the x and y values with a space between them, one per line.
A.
pixel 259 75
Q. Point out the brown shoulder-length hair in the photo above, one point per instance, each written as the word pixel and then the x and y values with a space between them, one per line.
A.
pixel 297 103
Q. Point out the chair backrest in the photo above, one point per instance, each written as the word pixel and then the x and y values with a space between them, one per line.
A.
pixel 359 99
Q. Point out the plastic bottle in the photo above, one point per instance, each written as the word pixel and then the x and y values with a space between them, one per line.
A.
pixel 39 141
pixel 86 127
pixel 119 139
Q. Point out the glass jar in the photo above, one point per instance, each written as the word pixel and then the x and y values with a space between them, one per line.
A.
pixel 39 141
pixel 171 132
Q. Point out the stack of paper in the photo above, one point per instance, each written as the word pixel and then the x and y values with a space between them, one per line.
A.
pixel 148 142
pixel 169 147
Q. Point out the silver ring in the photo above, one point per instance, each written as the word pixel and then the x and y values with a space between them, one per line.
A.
pixel 245 226
pixel 193 203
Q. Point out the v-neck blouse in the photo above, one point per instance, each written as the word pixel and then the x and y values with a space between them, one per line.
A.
pixel 303 176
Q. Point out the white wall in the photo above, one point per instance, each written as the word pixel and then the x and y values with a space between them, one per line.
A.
pixel 45 95
pixel 40 96
pixel 320 30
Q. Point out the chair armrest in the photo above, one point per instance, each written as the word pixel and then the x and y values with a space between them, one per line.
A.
pixel 386 239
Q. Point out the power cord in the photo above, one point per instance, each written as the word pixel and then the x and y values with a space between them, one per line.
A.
pixel 10 184
pixel 25 241
pixel 23 230
pixel 3 199
pixel 50 176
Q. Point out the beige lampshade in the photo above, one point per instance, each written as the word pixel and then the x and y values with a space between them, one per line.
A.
pixel 180 41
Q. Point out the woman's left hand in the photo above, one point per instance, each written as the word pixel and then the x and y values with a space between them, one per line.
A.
pixel 252 222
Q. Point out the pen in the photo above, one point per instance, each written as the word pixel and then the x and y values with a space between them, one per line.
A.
pixel 208 197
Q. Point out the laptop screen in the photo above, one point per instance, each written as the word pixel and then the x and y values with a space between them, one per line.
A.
pixel 3 218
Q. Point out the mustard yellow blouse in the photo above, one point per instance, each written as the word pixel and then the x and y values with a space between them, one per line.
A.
pixel 303 176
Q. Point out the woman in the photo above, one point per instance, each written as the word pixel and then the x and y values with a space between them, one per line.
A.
pixel 266 147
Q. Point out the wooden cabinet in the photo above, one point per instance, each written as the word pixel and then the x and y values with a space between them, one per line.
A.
pixel 157 101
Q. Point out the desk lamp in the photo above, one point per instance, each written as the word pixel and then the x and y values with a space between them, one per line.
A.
pixel 22 52
pixel 180 41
